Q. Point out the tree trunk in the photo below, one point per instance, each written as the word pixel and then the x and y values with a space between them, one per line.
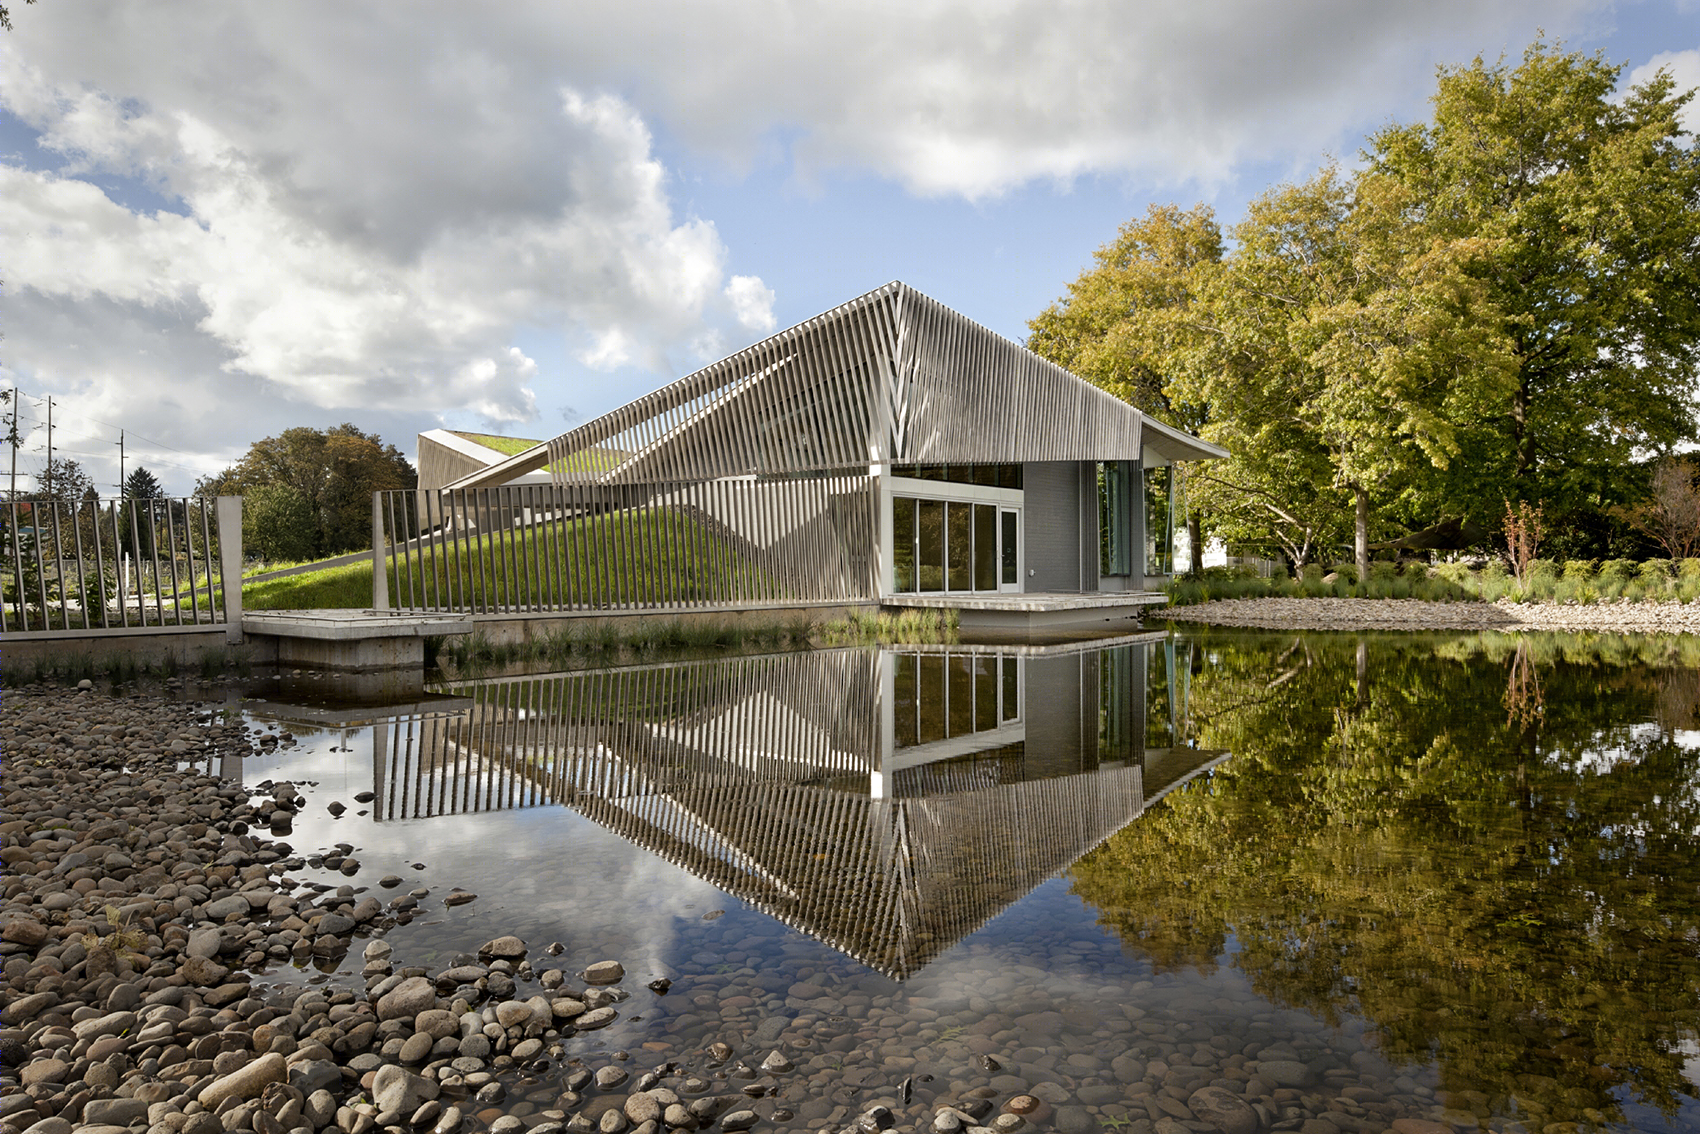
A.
pixel 1360 532
pixel 1363 674
pixel 1195 542
pixel 1523 442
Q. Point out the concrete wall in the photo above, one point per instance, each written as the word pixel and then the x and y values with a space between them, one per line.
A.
pixel 20 655
pixel 1061 513
pixel 439 464
pixel 1051 509
pixel 1059 715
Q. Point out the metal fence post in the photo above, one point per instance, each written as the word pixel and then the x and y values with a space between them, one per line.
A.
pixel 380 569
pixel 230 564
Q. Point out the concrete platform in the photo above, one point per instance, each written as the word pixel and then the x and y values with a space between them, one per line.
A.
pixel 356 641
pixel 1038 612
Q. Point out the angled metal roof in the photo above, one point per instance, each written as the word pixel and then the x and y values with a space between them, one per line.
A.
pixel 889 376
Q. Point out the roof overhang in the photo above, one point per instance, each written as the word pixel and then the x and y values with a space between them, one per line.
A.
pixel 1170 444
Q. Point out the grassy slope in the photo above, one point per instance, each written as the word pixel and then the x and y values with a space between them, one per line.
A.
pixel 595 460
pixel 677 560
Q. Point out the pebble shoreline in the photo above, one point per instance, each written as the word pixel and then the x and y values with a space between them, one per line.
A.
pixel 153 1017
pixel 1415 614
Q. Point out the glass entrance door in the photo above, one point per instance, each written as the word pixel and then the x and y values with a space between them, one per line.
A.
pixel 1009 549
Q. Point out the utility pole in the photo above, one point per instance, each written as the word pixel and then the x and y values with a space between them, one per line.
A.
pixel 50 445
pixel 120 462
pixel 12 438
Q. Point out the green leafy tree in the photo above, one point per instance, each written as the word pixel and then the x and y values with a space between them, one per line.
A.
pixel 64 480
pixel 1341 332
pixel 1128 323
pixel 1587 201
pixel 334 471
pixel 277 523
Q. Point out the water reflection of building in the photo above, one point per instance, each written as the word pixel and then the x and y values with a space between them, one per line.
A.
pixel 888 802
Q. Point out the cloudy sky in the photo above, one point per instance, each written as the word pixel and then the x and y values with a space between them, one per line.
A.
pixel 219 221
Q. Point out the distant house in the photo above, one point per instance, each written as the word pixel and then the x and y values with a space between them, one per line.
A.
pixel 890 447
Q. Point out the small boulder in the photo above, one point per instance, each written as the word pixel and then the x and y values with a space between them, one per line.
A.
pixel 246 1082
pixel 24 931
pixel 502 948
pixel 203 971
pixel 1223 1109
pixel 604 972
pixel 407 999
pixel 400 1091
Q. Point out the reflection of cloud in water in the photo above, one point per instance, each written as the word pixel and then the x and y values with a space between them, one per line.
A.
pixel 547 869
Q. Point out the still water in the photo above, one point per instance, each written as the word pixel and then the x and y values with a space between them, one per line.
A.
pixel 1351 880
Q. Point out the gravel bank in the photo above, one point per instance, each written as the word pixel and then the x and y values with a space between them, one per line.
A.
pixel 141 902
pixel 1412 614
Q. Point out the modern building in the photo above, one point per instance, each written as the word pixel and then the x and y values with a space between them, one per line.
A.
pixel 889 450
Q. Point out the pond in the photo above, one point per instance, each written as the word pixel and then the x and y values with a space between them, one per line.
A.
pixel 1193 881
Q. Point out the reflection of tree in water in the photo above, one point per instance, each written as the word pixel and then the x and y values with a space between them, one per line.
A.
pixel 1523 701
pixel 1677 703
pixel 1521 904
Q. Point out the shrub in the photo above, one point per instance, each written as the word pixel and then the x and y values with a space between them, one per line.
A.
pixel 1348 572
pixel 1384 571
pixel 1655 572
pixel 1494 571
pixel 1455 573
pixel 1401 588
pixel 1688 569
pixel 1581 570
pixel 1617 571
pixel 1313 571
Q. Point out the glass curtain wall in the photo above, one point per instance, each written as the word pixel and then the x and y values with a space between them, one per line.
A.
pixel 1159 521
pixel 946 695
pixel 1115 517
pixel 953 545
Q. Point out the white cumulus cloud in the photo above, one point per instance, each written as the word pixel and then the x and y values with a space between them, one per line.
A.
pixel 1684 70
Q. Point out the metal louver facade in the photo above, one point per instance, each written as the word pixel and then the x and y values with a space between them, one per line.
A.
pixel 763 479
pixel 892 377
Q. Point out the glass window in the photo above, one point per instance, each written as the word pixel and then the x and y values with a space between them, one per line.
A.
pixel 985 547
pixel 929 549
pixel 932 691
pixel 961 695
pixel 906 700
pixel 1011 688
pixel 1115 516
pixel 903 543
pixel 1159 522
pixel 985 693
pixel 1011 557
pixel 959 547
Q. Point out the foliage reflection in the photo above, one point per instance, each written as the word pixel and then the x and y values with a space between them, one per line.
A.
pixel 1485 846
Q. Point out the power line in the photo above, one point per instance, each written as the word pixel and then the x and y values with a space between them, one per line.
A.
pixel 133 433
pixel 61 450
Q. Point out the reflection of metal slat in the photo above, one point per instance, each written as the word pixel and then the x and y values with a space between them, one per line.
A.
pixel 890 882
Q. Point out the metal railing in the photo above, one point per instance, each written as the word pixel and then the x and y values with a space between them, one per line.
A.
pixel 530 548
pixel 120 565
